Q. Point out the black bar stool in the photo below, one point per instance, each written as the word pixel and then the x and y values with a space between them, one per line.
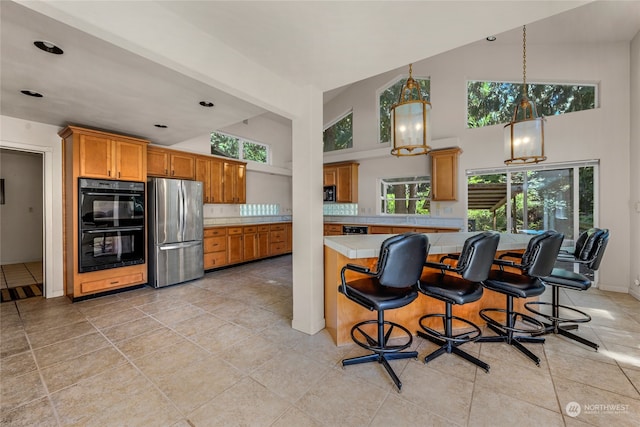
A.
pixel 392 285
pixel 459 284
pixel 589 252
pixel 537 262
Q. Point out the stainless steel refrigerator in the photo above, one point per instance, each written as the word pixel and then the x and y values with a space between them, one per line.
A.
pixel 175 231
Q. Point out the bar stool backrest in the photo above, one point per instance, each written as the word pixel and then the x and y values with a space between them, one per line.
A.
pixel 541 253
pixel 401 259
pixel 598 247
pixel 477 256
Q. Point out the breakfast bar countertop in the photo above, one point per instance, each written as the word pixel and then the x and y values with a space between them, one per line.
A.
pixel 368 245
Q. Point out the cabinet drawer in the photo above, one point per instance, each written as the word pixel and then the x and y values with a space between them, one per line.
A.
pixel 263 228
pixel 215 244
pixel 234 230
pixel 277 248
pixel 111 283
pixel 212 232
pixel 276 227
pixel 251 229
pixel 215 259
pixel 276 236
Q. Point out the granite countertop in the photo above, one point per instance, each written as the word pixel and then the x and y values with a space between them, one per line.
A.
pixel 246 220
pixel 368 245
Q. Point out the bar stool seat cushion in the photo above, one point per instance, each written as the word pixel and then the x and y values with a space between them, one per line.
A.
pixel 450 288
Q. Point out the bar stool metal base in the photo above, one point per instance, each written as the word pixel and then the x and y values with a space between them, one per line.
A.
pixel 506 331
pixel 556 326
pixel 382 352
pixel 447 341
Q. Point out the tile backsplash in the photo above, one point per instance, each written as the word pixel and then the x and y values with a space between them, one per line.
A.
pixel 340 209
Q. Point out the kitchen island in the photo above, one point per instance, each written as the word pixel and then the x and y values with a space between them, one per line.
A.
pixel 341 314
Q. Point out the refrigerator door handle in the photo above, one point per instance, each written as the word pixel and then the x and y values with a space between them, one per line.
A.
pixel 179 246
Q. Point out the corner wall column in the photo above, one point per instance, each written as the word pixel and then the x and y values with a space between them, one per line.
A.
pixel 308 240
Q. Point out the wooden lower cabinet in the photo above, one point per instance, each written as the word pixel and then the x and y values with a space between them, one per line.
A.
pixel 94 282
pixel 236 244
pixel 215 247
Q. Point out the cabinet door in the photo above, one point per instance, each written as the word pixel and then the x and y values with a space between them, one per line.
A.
pixel 183 165
pixel 330 176
pixel 444 174
pixel 96 157
pixel 289 237
pixel 241 184
pixel 344 192
pixel 262 240
pixel 216 180
pixel 234 247
pixel 203 174
pixel 131 161
pixel 234 183
pixel 157 162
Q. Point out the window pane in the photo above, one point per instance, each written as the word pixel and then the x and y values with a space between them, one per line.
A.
pixel 254 152
pixel 223 145
pixel 404 197
pixel 339 135
pixel 389 97
pixel 490 103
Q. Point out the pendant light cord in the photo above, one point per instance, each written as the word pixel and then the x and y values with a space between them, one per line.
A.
pixel 524 61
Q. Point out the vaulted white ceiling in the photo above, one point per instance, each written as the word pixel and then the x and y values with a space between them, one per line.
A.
pixel 130 65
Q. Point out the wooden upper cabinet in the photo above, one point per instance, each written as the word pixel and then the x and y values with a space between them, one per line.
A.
pixel 345 177
pixel 130 161
pixel 444 174
pixel 182 165
pixel 171 163
pixel 209 171
pixel 234 182
pixel 157 161
pixel 105 155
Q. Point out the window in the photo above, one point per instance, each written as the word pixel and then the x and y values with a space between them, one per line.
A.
pixel 236 148
pixel 389 96
pixel 491 103
pixel 405 196
pixel 529 199
pixel 338 135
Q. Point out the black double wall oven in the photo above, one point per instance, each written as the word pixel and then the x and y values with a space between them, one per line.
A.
pixel 111 224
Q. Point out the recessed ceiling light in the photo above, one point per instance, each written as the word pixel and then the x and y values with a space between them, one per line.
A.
pixel 491 38
pixel 48 47
pixel 206 104
pixel 161 126
pixel 31 93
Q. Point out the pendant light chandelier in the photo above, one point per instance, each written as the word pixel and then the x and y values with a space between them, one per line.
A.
pixel 524 135
pixel 410 121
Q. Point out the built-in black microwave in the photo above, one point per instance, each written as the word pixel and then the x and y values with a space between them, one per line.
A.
pixel 329 193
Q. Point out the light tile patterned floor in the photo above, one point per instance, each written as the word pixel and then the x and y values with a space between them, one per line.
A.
pixel 22 274
pixel 220 351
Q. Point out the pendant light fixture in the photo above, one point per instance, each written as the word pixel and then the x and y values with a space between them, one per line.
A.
pixel 524 135
pixel 410 121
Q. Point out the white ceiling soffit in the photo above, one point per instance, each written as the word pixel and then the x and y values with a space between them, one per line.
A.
pixel 97 84
pixel 329 44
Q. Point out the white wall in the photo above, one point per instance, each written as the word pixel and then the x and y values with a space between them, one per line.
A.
pixel 634 166
pixel 40 138
pixel 603 133
pixel 21 215
pixel 265 183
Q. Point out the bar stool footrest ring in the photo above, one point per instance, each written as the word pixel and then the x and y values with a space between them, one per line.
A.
pixel 538 326
pixel 372 344
pixel 584 319
pixel 460 338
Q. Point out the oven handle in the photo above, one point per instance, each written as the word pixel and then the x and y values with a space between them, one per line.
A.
pixel 93 193
pixel 180 245
pixel 111 230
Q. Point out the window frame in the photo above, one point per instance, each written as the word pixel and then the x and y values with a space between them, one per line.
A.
pixel 596 99
pixel 334 122
pixel 381 195
pixel 380 90
pixel 241 142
